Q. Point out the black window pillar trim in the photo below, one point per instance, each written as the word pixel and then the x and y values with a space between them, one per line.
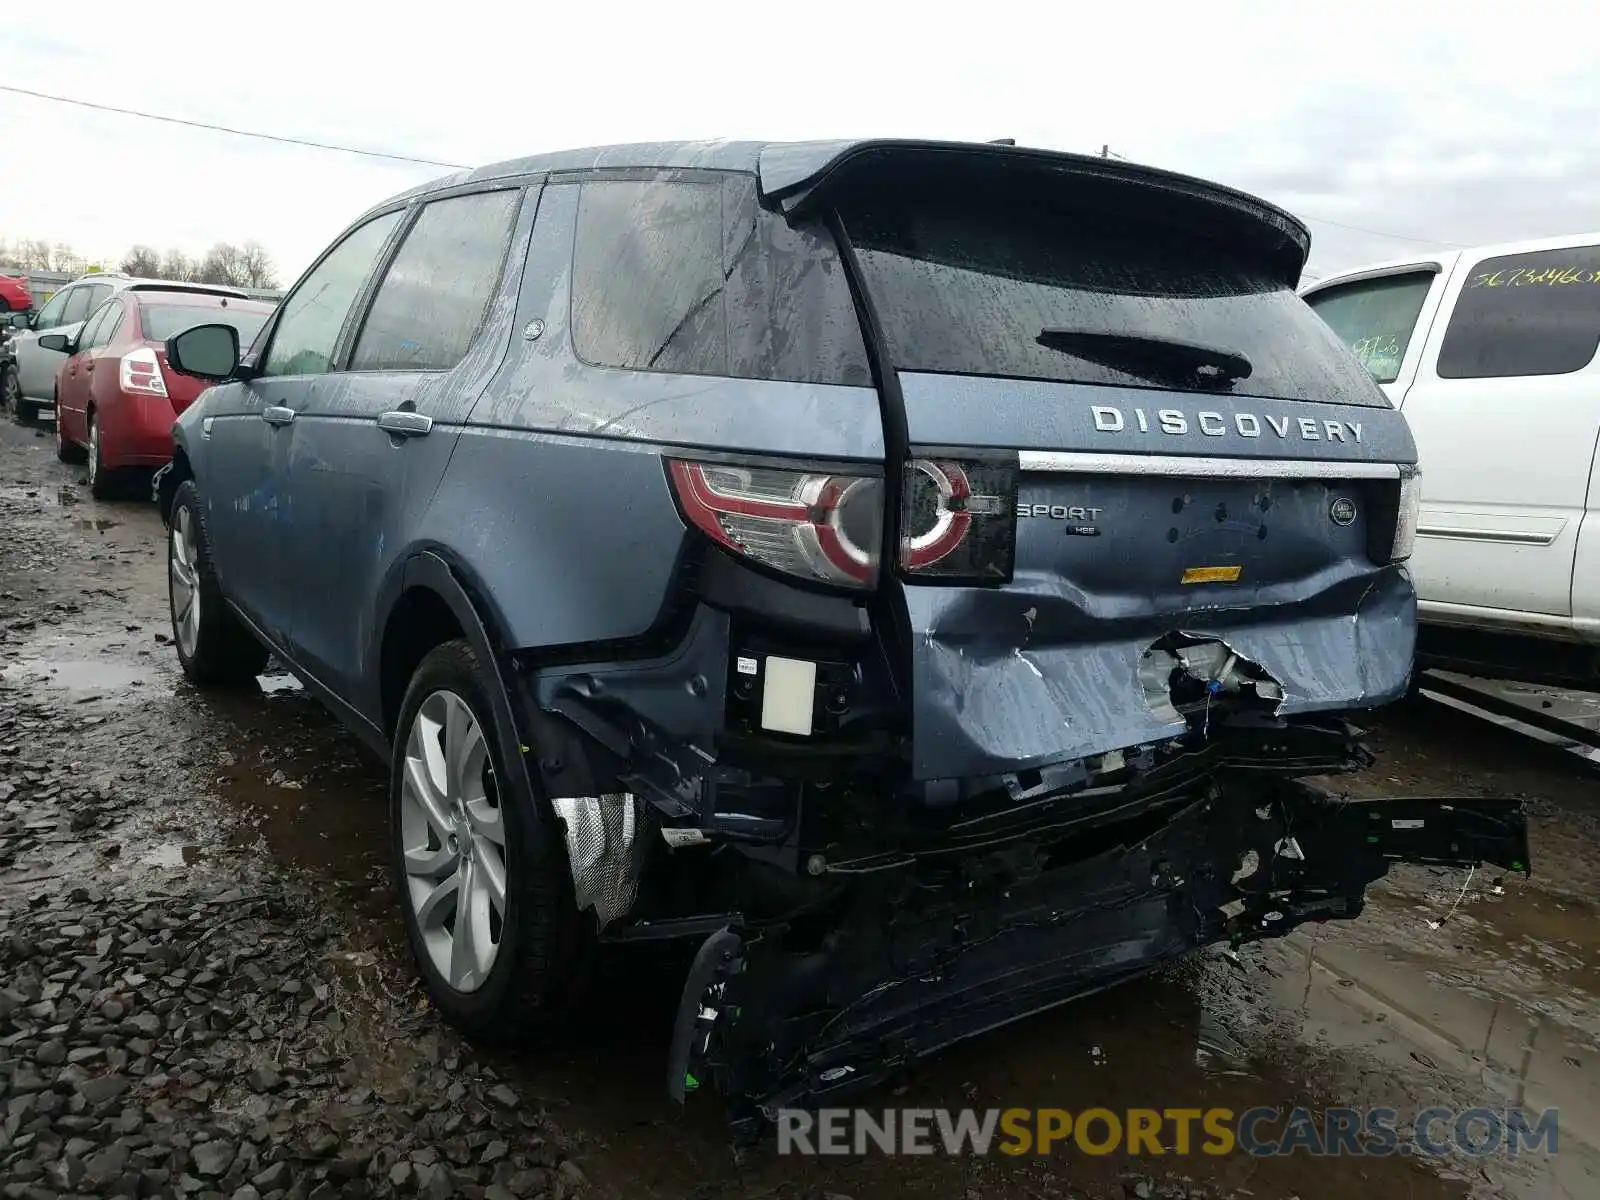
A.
pixel 896 439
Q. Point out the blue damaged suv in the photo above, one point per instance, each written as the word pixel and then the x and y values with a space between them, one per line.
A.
pixel 916 578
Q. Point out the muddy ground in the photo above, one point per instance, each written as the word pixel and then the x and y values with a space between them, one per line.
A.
pixel 203 988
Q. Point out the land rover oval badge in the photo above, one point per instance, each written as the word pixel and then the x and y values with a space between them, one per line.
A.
pixel 1343 511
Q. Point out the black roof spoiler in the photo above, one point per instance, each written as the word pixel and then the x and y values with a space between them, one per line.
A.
pixel 794 173
pixel 201 289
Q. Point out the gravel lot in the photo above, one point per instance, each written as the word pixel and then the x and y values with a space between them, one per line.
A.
pixel 203 990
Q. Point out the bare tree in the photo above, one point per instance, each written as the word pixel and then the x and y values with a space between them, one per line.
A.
pixel 176 266
pixel 142 260
pixel 33 254
pixel 64 258
pixel 222 265
pixel 256 266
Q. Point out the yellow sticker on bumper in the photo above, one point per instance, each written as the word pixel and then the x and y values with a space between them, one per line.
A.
pixel 1211 575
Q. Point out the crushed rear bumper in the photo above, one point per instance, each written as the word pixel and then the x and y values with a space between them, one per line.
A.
pixel 919 961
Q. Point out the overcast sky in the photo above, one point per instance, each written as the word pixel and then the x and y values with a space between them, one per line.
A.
pixel 1441 123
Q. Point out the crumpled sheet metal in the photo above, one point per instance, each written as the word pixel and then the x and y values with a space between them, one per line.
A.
pixel 607 840
pixel 990 706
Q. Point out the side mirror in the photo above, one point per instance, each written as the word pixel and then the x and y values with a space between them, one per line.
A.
pixel 59 342
pixel 205 351
pixel 22 320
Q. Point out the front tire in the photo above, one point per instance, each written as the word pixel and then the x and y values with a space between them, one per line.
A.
pixel 481 868
pixel 214 647
pixel 10 389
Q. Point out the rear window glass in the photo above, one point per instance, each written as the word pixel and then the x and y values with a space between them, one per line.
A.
pixel 1525 314
pixel 1375 318
pixel 696 278
pixel 163 321
pixel 1026 277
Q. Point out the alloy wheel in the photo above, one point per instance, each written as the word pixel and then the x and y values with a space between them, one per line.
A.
pixel 183 566
pixel 453 842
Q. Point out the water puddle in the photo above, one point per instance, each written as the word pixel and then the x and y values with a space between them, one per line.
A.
pixel 88 679
pixel 171 855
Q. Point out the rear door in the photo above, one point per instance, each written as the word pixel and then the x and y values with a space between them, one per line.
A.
pixel 1506 411
pixel 78 376
pixel 371 441
pixel 1186 447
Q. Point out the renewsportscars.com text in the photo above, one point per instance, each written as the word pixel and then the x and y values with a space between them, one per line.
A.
pixel 1376 1132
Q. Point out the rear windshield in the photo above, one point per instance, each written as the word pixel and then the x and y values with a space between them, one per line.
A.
pixel 968 275
pixel 163 321
pixel 1375 318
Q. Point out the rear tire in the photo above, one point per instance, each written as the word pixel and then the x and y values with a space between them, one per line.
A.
pixel 518 967
pixel 214 647
pixel 67 452
pixel 104 482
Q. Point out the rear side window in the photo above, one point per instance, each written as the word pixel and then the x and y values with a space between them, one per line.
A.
pixel 696 278
pixel 1525 314
pixel 1376 318
pixel 437 289
pixel 984 271
pixel 77 306
pixel 102 325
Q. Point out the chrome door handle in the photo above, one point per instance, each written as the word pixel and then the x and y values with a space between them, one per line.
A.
pixel 277 414
pixel 405 424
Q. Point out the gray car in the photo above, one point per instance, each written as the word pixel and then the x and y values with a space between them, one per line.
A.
pixel 915 578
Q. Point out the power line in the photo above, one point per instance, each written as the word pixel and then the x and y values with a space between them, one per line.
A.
pixel 249 133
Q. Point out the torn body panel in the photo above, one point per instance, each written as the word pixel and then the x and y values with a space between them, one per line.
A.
pixel 997 692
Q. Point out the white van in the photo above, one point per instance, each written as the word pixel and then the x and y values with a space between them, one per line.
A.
pixel 1490 352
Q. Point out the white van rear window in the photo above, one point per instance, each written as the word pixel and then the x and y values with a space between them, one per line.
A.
pixel 1375 318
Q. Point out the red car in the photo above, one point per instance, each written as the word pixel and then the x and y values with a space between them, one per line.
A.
pixel 14 296
pixel 116 399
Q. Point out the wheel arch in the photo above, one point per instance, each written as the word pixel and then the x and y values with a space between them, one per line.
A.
pixel 426 601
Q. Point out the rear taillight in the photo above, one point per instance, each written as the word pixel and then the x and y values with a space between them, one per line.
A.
pixel 816 525
pixel 958 520
pixel 1410 509
pixel 140 373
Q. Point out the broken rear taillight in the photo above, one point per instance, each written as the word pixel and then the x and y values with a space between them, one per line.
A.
pixel 817 525
pixel 958 520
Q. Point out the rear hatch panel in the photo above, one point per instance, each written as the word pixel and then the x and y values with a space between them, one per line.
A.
pixel 1207 480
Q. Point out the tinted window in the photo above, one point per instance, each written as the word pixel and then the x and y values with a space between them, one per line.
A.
pixel 697 278
pixel 163 321
pixel 304 339
pixel 1525 314
pixel 50 314
pixel 77 306
pixel 1018 274
pixel 1375 318
pixel 437 289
